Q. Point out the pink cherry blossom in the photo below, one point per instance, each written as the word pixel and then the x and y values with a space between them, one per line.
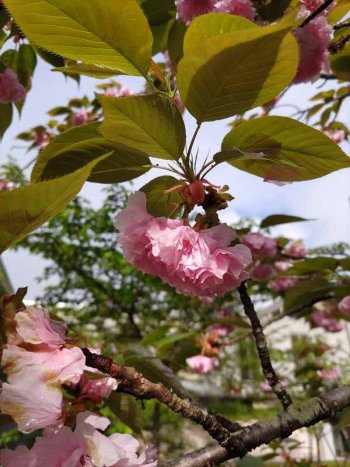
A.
pixel 259 244
pixel 80 117
pixel 11 90
pixel 5 185
pixel 262 272
pixel 295 249
pixel 221 330
pixel 324 318
pixel 329 375
pixel 188 9
pixel 282 265
pixel 41 138
pixel 344 305
pixel 85 446
pixel 337 136
pixel 202 364
pixel 96 389
pixel 311 5
pixel 195 263
pixel 282 284
pixel 236 7
pixel 313 40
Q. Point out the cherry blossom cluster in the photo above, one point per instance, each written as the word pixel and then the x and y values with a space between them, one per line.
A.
pixel 325 314
pixel 200 263
pixel 189 9
pixel 11 90
pixel 42 366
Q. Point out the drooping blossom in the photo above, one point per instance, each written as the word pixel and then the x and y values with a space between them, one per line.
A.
pixel 324 317
pixel 41 138
pixel 259 244
pixel 85 446
pixel 37 363
pixel 11 90
pixel 194 193
pixel 295 249
pixel 236 7
pixel 189 9
pixel 262 272
pixel 202 364
pixel 196 263
pixel 282 265
pixel 222 329
pixel 313 40
pixel 329 375
pixel 281 284
pixel 80 117
pixel 344 305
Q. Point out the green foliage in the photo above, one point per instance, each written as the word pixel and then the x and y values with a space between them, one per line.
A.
pixel 281 149
pixel 161 202
pixel 278 219
pixel 150 124
pixel 312 266
pixel 79 146
pixel 26 208
pixel 93 31
pixel 231 66
pixel 6 112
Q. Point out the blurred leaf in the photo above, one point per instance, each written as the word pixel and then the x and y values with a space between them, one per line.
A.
pixel 282 149
pixel 340 63
pixel 176 40
pixel 305 292
pixel 101 32
pixel 344 263
pixel 230 65
pixel 278 219
pixel 127 409
pixel 150 123
pixel 250 461
pixel 94 71
pixel 271 10
pixel 6 113
pixel 24 209
pixel 79 146
pixel 311 266
pixel 154 336
pixel 336 13
pixel 160 203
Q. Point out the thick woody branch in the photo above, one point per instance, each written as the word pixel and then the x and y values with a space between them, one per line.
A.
pixel 130 381
pixel 316 12
pixel 297 416
pixel 261 347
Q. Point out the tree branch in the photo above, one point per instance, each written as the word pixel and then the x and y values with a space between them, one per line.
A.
pixel 261 347
pixel 281 426
pixel 316 12
pixel 130 381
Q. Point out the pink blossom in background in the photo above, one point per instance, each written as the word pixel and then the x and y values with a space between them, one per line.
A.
pixel 344 305
pixel 5 185
pixel 236 7
pixel 123 91
pixel 11 90
pixel 282 284
pixel 195 263
pixel 189 9
pixel 207 300
pixel 85 446
pixel 313 40
pixel 202 364
pixel 311 5
pixel 329 375
pixel 264 385
pixel 324 319
pixel 41 138
pixel 282 265
pixel 259 244
pixel 337 136
pixel 221 330
pixel 295 249
pixel 80 117
pixel 262 272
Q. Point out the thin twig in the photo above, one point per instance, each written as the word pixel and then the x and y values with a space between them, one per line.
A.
pixel 315 13
pixel 281 426
pixel 130 381
pixel 261 347
pixel 193 139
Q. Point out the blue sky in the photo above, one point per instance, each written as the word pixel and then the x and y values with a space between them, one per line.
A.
pixel 325 199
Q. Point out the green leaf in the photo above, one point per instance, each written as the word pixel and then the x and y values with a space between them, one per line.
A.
pixel 339 11
pixel 79 146
pixel 271 10
pixel 175 41
pixel 230 65
pixel 100 32
pixel 340 63
pixel 159 202
pixel 304 292
pixel 6 113
pixel 94 71
pixel 127 409
pixel 344 264
pixel 311 266
pixel 278 219
pixel 158 12
pixel 282 149
pixel 26 64
pixel 24 209
pixel 250 461
pixel 151 124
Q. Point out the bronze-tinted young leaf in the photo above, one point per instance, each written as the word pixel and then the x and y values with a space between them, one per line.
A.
pixel 79 146
pixel 306 292
pixel 282 149
pixel 161 201
pixel 100 32
pixel 278 219
pixel 24 209
pixel 311 266
pixel 150 123
pixel 235 68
